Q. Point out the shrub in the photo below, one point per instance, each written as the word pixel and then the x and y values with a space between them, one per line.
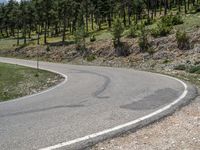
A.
pixel 90 58
pixel 194 69
pixel 166 61
pixel 92 38
pixel 118 29
pixel 143 39
pixel 132 31
pixel 161 30
pixel 171 20
pixel 122 49
pixel 48 48
pixel 36 75
pixel 195 9
pixel 149 22
pixel 180 67
pixel 150 50
pixel 182 40
pixel 80 39
pixel 177 19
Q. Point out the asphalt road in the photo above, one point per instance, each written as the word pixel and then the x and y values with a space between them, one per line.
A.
pixel 93 99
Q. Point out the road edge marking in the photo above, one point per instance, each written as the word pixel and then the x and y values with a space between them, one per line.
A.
pixel 131 123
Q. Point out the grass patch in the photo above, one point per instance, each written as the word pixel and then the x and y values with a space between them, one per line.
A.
pixel 17 81
pixel 191 21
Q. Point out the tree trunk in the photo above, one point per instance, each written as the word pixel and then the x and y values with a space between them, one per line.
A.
pixel 124 15
pixel 64 28
pixel 25 35
pixel 45 33
pixel 109 21
pixel 17 36
pixel 92 21
pixel 86 16
pixel 165 7
pixel 185 5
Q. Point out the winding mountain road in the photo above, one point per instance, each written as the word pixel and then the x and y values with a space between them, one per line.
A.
pixel 94 101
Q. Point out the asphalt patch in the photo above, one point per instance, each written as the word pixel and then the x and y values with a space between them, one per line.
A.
pixel 158 98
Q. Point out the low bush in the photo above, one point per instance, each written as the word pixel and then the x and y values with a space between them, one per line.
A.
pixel 80 39
pixel 132 32
pixel 166 61
pixel 171 20
pixel 122 49
pixel 194 69
pixel 149 22
pixel 143 40
pixel 90 58
pixel 161 30
pixel 177 19
pixel 117 31
pixel 92 38
pixel 48 48
pixel 182 40
pixel 194 9
pixel 180 67
pixel 80 47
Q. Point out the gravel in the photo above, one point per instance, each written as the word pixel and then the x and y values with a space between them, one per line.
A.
pixel 177 132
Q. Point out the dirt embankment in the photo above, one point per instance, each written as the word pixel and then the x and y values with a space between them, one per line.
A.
pixel 165 53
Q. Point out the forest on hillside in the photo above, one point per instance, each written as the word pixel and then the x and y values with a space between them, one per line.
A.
pixel 59 18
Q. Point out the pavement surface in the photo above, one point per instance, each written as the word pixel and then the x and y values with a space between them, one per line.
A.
pixel 179 131
pixel 93 99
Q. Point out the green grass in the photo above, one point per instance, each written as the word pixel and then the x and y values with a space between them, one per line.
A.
pixel 7 44
pixel 191 21
pixel 17 81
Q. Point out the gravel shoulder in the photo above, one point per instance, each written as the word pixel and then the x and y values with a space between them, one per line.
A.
pixel 177 132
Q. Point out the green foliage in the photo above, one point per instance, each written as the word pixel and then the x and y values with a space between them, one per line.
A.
pixel 171 20
pixel 194 69
pixel 90 58
pixel 48 48
pixel 143 39
pixel 180 67
pixel 190 68
pixel 149 22
pixel 80 39
pixel 165 25
pixel 60 17
pixel 195 9
pixel 132 32
pixel 92 38
pixel 161 30
pixel 182 40
pixel 122 49
pixel 166 61
pixel 118 29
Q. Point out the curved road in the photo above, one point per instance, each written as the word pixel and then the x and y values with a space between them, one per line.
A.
pixel 93 99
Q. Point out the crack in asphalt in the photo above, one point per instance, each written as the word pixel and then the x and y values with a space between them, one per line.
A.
pixel 96 94
pixel 42 110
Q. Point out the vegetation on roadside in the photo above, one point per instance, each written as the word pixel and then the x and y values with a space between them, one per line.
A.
pixel 182 40
pixel 41 22
pixel 17 81
pixel 143 39
pixel 193 69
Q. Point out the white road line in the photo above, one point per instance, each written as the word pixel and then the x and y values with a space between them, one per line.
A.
pixel 68 143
